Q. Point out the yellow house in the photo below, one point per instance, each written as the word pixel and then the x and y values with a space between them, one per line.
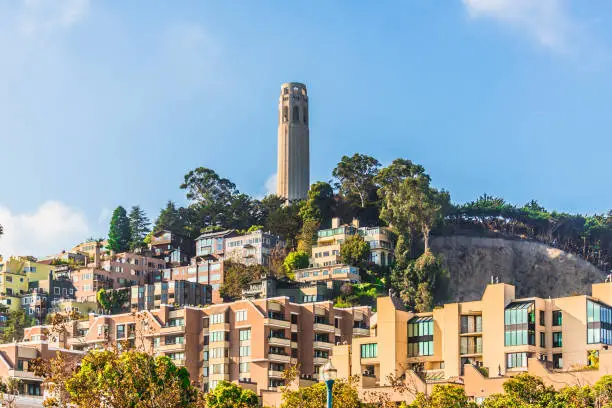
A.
pixel 17 272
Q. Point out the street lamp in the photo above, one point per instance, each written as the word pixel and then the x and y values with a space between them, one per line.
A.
pixel 329 376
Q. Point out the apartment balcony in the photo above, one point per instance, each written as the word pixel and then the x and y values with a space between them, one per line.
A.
pixel 219 327
pixel 219 377
pixel 275 374
pixel 179 363
pixel 284 324
pixel 277 341
pixel 205 330
pixel 223 343
pixel 294 327
pixel 294 344
pixel 219 360
pixel 172 347
pixel 360 332
pixel 322 327
pixel 320 360
pixel 279 358
pixel 322 345
pixel 76 340
pixel 338 332
pixel 172 330
pixel 23 375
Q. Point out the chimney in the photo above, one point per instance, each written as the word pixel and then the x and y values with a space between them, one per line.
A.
pixel 97 256
pixel 335 222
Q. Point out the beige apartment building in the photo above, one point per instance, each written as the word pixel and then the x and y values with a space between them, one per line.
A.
pixel 247 341
pixel 114 272
pixel 174 292
pixel 206 271
pixel 326 260
pixel 481 343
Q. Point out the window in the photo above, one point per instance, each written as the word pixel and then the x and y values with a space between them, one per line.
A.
pixel 557 339
pixel 542 318
pixel 295 116
pixel 557 318
pixel 218 352
pixel 599 323
pixel 245 351
pixel 56 291
pixel 471 324
pixel 420 336
pixel 245 334
pixel 369 350
pixel 120 331
pixel 542 339
pixel 557 361
pixel 471 345
pixel 516 360
pixel 519 324
pixel 244 367
pixel 217 336
pixel 217 318
pixel 241 315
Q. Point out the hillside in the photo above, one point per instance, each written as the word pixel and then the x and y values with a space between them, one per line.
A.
pixel 536 269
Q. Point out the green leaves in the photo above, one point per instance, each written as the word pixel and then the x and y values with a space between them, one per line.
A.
pixel 119 234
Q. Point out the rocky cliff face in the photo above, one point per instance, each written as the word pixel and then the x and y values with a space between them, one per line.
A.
pixel 535 269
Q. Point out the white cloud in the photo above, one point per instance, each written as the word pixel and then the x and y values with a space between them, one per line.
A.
pixel 52 227
pixel 271 184
pixel 546 21
pixel 44 16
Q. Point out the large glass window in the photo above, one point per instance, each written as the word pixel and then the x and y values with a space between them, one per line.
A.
pixel 557 339
pixel 369 350
pixel 420 336
pixel 519 324
pixel 557 318
pixel 516 360
pixel 471 324
pixel 599 323
pixel 245 334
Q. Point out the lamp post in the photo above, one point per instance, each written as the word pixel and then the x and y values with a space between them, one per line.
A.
pixel 329 376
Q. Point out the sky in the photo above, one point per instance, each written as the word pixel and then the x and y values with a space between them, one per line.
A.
pixel 107 103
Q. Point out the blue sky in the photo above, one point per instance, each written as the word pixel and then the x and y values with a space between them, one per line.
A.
pixel 110 102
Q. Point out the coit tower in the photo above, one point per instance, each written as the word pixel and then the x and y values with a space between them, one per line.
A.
pixel 293 142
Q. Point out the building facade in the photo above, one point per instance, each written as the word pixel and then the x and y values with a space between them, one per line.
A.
pixel 175 292
pixel 253 248
pixel 293 142
pixel 249 341
pixel 173 248
pixel 490 339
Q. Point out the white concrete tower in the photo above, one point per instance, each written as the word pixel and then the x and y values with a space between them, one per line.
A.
pixel 293 142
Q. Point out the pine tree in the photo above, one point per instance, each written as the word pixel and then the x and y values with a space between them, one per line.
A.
pixel 119 233
pixel 170 219
pixel 139 227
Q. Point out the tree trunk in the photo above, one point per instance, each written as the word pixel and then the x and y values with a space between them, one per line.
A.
pixel 425 230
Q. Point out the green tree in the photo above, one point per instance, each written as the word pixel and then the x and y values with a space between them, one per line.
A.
pixel 415 207
pixel 236 277
pixel 443 396
pixel 295 260
pixel 355 177
pixel 286 222
pixel 129 379
pixel 320 204
pixel 171 219
pixel 139 227
pixel 344 396
pixel 523 391
pixel 113 300
pixel 355 251
pixel 308 235
pixel 16 321
pixel 119 234
pixel 574 397
pixel 229 395
pixel 423 282
pixel 603 391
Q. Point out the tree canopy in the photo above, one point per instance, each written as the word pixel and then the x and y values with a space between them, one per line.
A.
pixel 119 234
pixel 139 227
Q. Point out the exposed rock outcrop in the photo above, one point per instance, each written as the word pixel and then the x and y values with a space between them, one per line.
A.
pixel 534 268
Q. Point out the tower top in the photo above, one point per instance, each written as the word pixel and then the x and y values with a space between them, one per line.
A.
pixel 293 84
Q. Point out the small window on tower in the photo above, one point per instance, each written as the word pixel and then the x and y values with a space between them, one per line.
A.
pixel 285 114
pixel 296 114
pixel 305 115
